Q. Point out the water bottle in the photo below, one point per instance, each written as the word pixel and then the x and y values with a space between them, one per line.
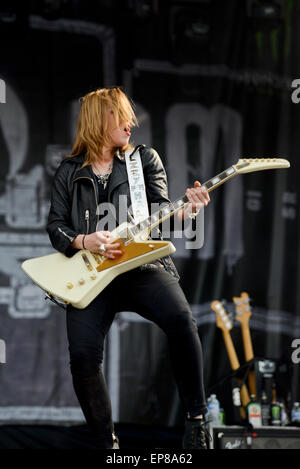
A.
pixel 213 409
pixel 284 415
pixel 295 415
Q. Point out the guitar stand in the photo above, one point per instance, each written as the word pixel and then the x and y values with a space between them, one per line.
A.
pixel 243 371
pixel 232 399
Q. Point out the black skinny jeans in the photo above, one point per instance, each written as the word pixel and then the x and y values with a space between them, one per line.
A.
pixel 157 296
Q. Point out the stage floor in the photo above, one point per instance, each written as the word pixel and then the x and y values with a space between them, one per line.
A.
pixel 78 437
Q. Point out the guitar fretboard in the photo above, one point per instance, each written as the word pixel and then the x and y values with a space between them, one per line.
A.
pixel 170 209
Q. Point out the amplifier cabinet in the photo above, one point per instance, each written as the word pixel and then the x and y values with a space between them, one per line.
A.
pixel 235 437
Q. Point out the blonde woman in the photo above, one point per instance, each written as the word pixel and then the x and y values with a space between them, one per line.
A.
pixel 93 175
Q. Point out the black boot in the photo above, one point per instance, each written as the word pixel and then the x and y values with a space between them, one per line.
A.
pixel 196 434
pixel 93 397
pixel 115 442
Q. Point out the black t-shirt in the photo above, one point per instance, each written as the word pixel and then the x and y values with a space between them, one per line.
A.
pixel 102 193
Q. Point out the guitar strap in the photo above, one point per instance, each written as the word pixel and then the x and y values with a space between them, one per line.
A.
pixel 136 184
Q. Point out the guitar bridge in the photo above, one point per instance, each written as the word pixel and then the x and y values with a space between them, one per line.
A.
pixel 99 259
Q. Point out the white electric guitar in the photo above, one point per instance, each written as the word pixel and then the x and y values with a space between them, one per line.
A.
pixel 80 278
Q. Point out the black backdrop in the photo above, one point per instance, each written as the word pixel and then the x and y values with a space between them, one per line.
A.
pixel 212 82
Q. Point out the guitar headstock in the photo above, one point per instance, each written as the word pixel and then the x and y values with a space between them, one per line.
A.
pixel 249 165
pixel 242 308
pixel 223 321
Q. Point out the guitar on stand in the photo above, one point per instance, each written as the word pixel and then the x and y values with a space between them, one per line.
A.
pixel 243 313
pixel 225 324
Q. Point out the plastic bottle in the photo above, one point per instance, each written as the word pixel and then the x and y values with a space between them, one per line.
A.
pixel 213 409
pixel 236 397
pixel 237 405
pixel 222 417
pixel 295 414
pixel 254 412
pixel 283 414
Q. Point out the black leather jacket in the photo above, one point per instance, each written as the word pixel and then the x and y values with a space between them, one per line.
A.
pixel 74 198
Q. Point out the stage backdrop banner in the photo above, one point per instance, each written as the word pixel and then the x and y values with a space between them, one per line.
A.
pixel 202 106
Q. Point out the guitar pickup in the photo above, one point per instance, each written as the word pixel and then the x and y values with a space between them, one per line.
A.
pixel 99 259
pixel 87 262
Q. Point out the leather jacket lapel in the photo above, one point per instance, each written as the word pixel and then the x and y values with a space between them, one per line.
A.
pixel 81 172
pixel 118 175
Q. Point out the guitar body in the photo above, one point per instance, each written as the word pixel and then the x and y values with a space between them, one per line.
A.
pixel 80 278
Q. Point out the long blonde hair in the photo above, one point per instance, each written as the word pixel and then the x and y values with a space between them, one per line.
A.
pixel 92 123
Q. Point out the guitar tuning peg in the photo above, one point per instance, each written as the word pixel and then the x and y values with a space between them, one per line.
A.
pixel 231 316
pixel 217 305
pixel 248 300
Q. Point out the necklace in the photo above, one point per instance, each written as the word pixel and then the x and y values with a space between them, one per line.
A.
pixel 103 178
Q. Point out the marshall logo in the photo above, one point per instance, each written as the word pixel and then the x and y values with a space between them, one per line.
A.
pixel 2 92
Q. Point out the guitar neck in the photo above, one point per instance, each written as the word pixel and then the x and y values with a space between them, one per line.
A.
pixel 216 181
pixel 234 361
pixel 247 342
pixel 235 364
pixel 249 354
pixel 243 166
pixel 170 209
